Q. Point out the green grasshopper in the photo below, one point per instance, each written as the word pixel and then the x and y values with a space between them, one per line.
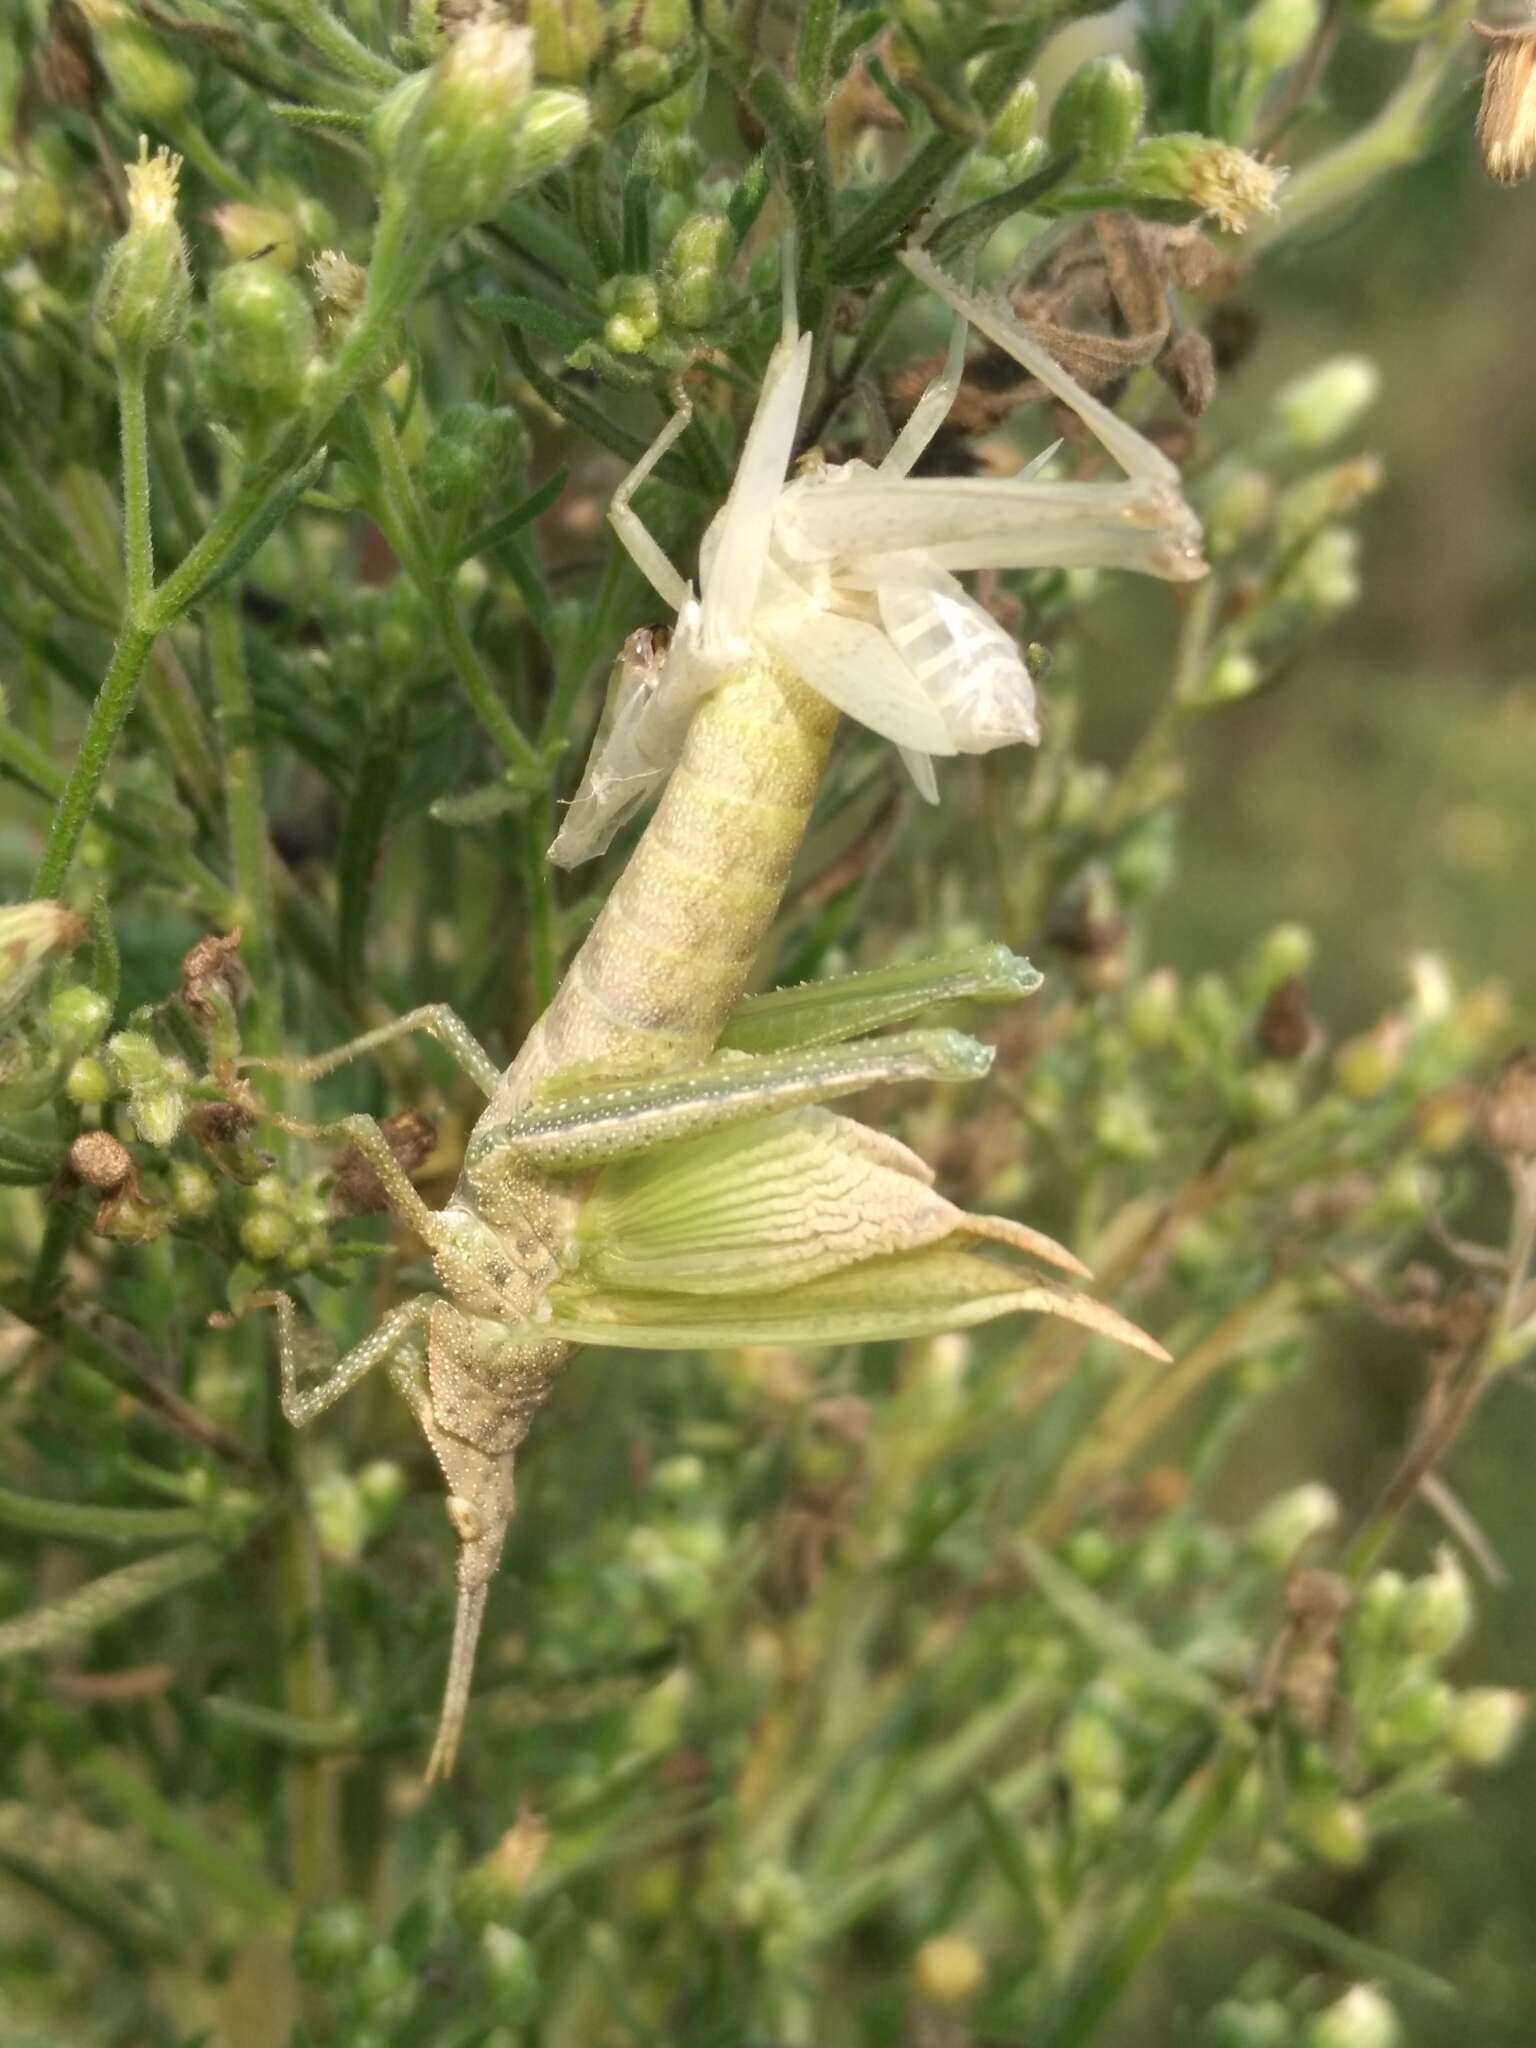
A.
pixel 657 1169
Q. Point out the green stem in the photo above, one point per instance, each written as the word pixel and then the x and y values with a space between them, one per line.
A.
pixel 250 857
pixel 106 720
pixel 1111 1973
pixel 313 1789
pixel 335 42
pixel 534 828
pixel 190 1844
pixel 138 537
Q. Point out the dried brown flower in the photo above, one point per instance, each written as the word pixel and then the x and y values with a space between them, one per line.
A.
pixel 1506 120
pixel 357 1190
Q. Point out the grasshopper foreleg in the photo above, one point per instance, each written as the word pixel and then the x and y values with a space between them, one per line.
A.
pixel 436 1020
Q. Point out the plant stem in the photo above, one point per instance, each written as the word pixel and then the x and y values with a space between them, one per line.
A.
pixel 313 1788
pixel 138 537
pixel 106 720
pixel 250 858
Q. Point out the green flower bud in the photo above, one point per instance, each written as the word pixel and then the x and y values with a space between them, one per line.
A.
pixel 1238 502
pixel 553 127
pixel 1212 177
pixel 192 1191
pixel 261 332
pixel 382 1486
pixel 1284 1528
pixel 88 1083
pixel 1152 1010
pixel 1090 1554
pixel 1362 2018
pixel 1013 127
pixel 695 268
pixel 341 1522
pixel 510 1973
pixel 1366 1066
pixel 1321 407
pixel 330 1943
pixel 1098 115
pixel 1285 954
pixel 77 1016
pixel 1486 1724
pixel 1379 1609
pixel 250 231
pixel 1402 21
pixel 30 935
pixel 567 36
pixel 1090 1750
pixel 1327 577
pixel 135 1059
pixel 156 1112
pixel 473 452
pixel 664 25
pixel 1241 2023
pixel 1124 1127
pixel 1276 32
pixel 948 1970
pixel 1231 676
pixel 145 292
pixel 34 214
pixel 476 130
pixel 641 72
pixel 1324 497
pixel 1437 1610
pixel 148 81
pixel 1414 1716
pixel 1269 1096
pixel 1335 1830
pixel 266 1234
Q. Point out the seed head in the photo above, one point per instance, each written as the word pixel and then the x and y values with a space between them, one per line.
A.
pixel 1506 120
pixel 152 187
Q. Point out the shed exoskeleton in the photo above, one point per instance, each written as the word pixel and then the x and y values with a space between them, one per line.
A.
pixel 658 1167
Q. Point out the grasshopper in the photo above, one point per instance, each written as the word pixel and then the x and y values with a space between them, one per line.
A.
pixel 657 1167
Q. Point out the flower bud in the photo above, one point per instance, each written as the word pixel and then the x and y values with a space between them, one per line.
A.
pixel 192 1191
pixel 553 127
pixel 88 1083
pixel 248 231
pixel 1213 177
pixel 1366 1066
pixel 1437 1610
pixel 1327 577
pixel 1287 1524
pixel 77 1016
pixel 1231 676
pixel 473 451
pixel 473 131
pixel 1414 1716
pixel 1322 406
pixel 1153 1009
pixel 135 1059
pixel 1276 32
pixel 1335 1830
pixel 695 267
pixel 1013 126
pixel 145 292
pixel 1090 1750
pixel 261 333
pixel 156 1113
pixel 510 1973
pixel 567 36
pixel 330 1943
pixel 1237 506
pixel 149 82
pixel 30 934
pixel 1245 2023
pixel 266 1234
pixel 1486 1723
pixel 948 1970
pixel 1124 1127
pixel 1098 114
pixel 664 25
pixel 635 318
pixel 1362 2018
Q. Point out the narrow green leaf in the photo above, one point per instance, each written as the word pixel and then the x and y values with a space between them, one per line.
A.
pixel 500 530
pixel 105 1600
pixel 191 1845
pixel 83 1522
pixel 1360 1958
pixel 1116 1639
pixel 1003 1848
pixel 260 528
pixel 533 316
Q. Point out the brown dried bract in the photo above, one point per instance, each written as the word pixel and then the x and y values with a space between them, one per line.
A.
pixel 1506 120
pixel 1509 1108
pixel 1285 1028
pixel 357 1190
pixel 213 964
